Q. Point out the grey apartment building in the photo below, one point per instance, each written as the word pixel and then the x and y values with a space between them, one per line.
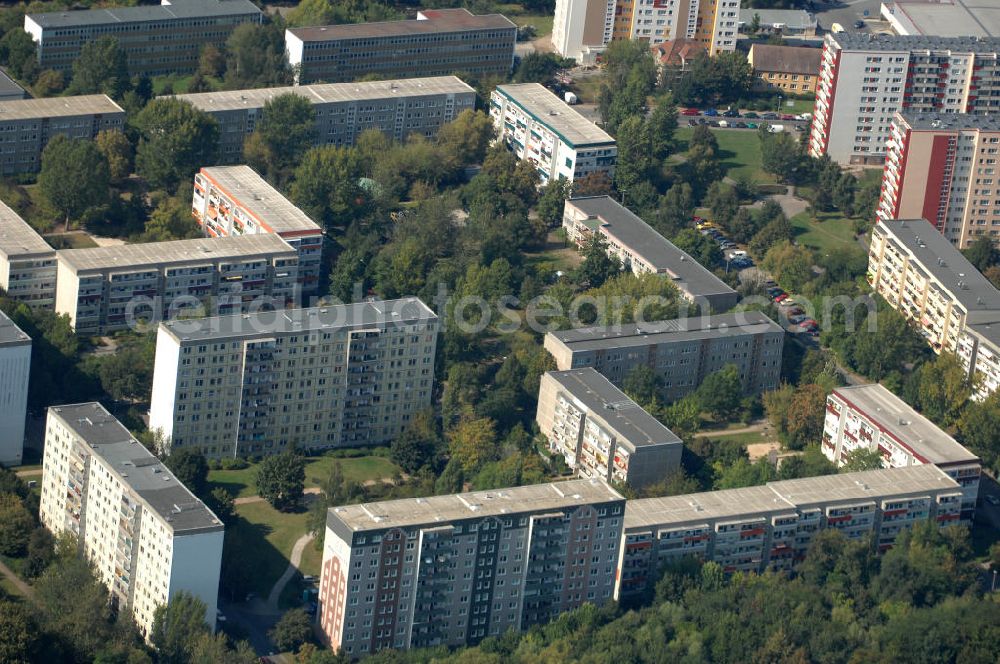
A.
pixel 681 352
pixel 397 108
pixel 27 262
pixel 101 288
pixel 26 125
pixel 157 39
pixel 439 42
pixel 643 251
pixel 453 570
pixel 337 376
pixel 601 433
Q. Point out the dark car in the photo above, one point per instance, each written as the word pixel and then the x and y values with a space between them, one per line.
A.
pixel 858 25
pixel 710 112
pixel 702 121
pixel 769 116
pixel 731 113
pixel 741 125
pixel 750 115
pixel 692 123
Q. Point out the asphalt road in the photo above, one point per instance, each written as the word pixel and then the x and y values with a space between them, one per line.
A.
pixel 846 12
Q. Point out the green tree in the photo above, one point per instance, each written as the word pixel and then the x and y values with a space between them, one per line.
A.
pixel 16 524
pixel 539 68
pixel 74 176
pixel 191 468
pixel 982 253
pixel 721 199
pixel 292 630
pixel 171 220
pixel 675 211
pixel 176 627
pixel 597 266
pixel 19 634
pixel 452 479
pixel 175 140
pixel 473 442
pixel 862 459
pixel 326 185
pixel 215 648
pixel 642 385
pixel 49 83
pixel 101 67
pixel 940 389
pixel 281 480
pixel 979 428
pixel 211 61
pixel 17 51
pixel 286 130
pixel 418 445
pixel 781 155
pixel 311 12
pixel 552 202
pixel 699 246
pixel 465 140
pixel 255 56
pixel 117 151
pixel 790 265
pixel 721 392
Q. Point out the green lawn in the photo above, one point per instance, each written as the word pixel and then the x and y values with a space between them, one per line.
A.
pixel 798 106
pixel 240 483
pixel 358 469
pixel 743 438
pixel 179 84
pixel 830 232
pixel 70 241
pixel 267 543
pixel 739 150
pixel 516 13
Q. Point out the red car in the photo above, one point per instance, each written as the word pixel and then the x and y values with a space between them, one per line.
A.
pixel 690 111
pixel 783 296
pixel 809 324
pixel 786 116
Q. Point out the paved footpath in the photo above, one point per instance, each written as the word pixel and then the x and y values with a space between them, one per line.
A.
pixel 21 586
pixel 293 567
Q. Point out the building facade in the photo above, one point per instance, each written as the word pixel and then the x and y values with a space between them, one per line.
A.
pixel 27 262
pixel 233 201
pixel 643 251
pixel 540 127
pixel 439 42
pixel 397 108
pixel 681 352
pixel 601 433
pixel 788 69
pixel 15 367
pixel 453 570
pixel 866 79
pixel 337 376
pixel 163 39
pixel 939 166
pixel 582 28
pixel 870 417
pixel 101 289
pixel 146 534
pixel 979 352
pixel 770 527
pixel 27 125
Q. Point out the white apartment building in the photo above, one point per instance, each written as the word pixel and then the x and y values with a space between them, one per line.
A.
pixel 866 79
pixel 146 534
pixel 540 127
pixel 453 570
pixel 601 432
pixel 235 201
pixel 15 367
pixel 873 418
pixel 105 288
pixel 582 28
pixel 979 352
pixel 27 262
pixel 256 384
pixel 770 527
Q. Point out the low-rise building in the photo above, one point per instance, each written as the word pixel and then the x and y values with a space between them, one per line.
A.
pixel 15 367
pixel 27 262
pixel 454 570
pixel 601 433
pixel 787 22
pixel 870 417
pixel 146 534
pixel 334 376
pixel 954 18
pixel 439 42
pixel 788 69
pixel 235 201
pixel 106 289
pixel 770 527
pixel 643 251
pixel 680 352
pixel 397 108
pixel 9 89
pixel 540 127
pixel 27 125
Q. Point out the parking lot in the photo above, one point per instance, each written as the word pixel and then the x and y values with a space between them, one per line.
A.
pixel 734 119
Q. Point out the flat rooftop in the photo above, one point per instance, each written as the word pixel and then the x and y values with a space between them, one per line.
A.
pixel 200 250
pixel 328 93
pixel 988 331
pixel 437 511
pixel 11 334
pixel 896 417
pixel 142 471
pixel 950 121
pixel 8 86
pixel 176 10
pixel 755 501
pixel 864 41
pixel 604 401
pixel 251 191
pixel 668 331
pixel 863 486
pixel 18 238
pixel 642 240
pixel 289 321
pixel 945 18
pixel 939 257
pixel 435 21
pixel 551 111
pixel 797 19
pixel 54 107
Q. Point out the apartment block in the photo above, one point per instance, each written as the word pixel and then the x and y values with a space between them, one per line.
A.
pixel 15 366
pixel 873 418
pixel 770 527
pixel 979 352
pixel 642 250
pixel 924 277
pixel 681 352
pixel 232 201
pixel 158 39
pixel 439 42
pixel 453 570
pixel 146 534
pixel 601 433
pixel 865 79
pixel 552 135
pixel 256 384
pixel 27 262
pixel 787 69
pixel 397 108
pixel 103 289
pixel 27 125
pixel 941 166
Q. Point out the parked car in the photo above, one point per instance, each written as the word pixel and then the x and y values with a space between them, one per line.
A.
pixel 731 113
pixel 750 115
pixel 690 111
pixel 727 244
pixel 702 121
pixel 809 324
pixel 752 125
pixel 741 125
pixel 788 116
pixel 782 296
pixel 774 290
pixel 715 123
pixel 788 301
pixel 796 319
pixel 796 311
pixel 710 112
pixel 737 253
pixel 692 123
pixel 769 116
pixel 858 25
